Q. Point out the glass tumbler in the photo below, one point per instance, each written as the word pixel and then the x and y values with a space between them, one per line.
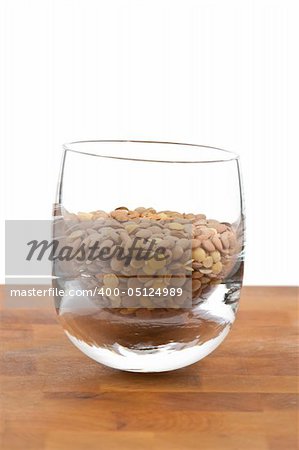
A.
pixel 149 260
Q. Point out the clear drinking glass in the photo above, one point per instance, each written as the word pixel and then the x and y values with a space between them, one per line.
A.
pixel 150 260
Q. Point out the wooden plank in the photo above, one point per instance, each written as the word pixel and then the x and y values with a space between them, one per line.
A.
pixel 243 396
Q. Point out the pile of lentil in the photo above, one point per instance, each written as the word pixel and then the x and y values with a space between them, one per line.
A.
pixel 200 254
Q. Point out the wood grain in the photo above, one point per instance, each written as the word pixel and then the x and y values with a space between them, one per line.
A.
pixel 242 397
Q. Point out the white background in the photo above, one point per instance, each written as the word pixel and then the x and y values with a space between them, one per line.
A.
pixel 213 72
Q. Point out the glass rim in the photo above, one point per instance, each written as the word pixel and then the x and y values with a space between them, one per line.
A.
pixel 230 156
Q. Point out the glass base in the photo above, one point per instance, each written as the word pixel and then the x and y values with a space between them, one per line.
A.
pixel 161 358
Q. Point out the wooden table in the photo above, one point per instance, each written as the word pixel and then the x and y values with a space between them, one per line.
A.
pixel 243 396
